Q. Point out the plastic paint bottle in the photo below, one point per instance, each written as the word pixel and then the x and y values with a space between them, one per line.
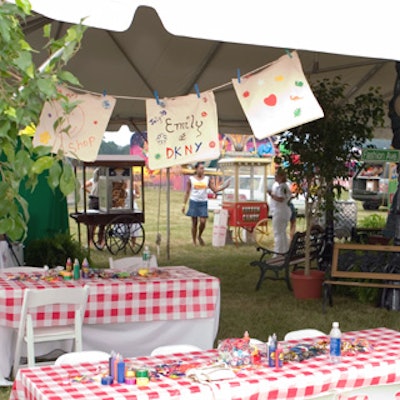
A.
pixel 68 265
pixel 111 362
pixel 271 351
pixel 146 257
pixel 77 269
pixel 121 371
pixel 85 269
pixel 142 377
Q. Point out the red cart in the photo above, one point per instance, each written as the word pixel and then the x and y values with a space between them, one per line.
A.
pixel 246 197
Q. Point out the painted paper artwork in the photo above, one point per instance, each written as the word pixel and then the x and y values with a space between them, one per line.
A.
pixel 87 123
pixel 277 98
pixel 182 130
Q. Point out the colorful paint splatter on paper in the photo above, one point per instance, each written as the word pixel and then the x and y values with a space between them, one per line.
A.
pixel 277 98
pixel 80 133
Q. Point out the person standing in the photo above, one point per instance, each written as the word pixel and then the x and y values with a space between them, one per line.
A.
pixel 92 187
pixel 280 196
pixel 196 192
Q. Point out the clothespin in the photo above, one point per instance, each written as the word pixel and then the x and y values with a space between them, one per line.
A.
pixel 196 88
pixel 289 53
pixel 238 74
pixel 104 92
pixel 159 102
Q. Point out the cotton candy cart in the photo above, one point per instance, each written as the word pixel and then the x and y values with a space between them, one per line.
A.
pixel 246 197
pixel 118 222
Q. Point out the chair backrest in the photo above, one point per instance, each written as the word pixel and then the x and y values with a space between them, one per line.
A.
pixel 79 357
pixel 303 334
pixel 127 263
pixel 23 269
pixel 298 244
pixel 76 296
pixel 34 298
pixel 174 348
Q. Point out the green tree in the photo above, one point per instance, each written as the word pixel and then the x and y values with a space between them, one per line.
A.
pixel 113 148
pixel 325 145
pixel 23 90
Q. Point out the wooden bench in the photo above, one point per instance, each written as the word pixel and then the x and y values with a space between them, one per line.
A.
pixel 363 265
pixel 295 257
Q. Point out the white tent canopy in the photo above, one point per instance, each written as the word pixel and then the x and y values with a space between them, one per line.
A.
pixel 367 29
pixel 143 56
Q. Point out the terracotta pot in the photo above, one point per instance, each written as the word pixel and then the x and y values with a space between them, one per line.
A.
pixel 307 287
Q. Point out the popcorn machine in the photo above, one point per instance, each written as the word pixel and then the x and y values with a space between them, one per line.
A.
pixel 246 197
pixel 118 220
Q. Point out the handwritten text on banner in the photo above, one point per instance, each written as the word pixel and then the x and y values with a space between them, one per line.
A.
pixel 182 130
pixel 87 123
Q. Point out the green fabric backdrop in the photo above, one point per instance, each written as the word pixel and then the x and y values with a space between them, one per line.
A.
pixel 47 209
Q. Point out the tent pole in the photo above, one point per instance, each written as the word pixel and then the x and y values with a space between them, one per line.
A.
pixel 168 213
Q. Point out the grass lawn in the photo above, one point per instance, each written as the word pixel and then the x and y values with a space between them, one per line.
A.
pixel 273 308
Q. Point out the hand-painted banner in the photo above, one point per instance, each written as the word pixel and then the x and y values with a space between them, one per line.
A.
pixel 182 130
pixel 277 98
pixel 87 123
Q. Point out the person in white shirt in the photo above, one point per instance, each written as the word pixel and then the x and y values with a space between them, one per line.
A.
pixel 280 196
pixel 92 187
pixel 196 192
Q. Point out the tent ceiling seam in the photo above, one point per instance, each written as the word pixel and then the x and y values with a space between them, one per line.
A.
pixel 59 29
pixel 34 24
pixel 203 66
pixel 373 71
pixel 131 63
pixel 316 70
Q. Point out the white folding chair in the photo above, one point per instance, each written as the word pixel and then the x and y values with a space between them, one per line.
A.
pixel 303 334
pixel 23 269
pixel 376 392
pixel 128 263
pixel 34 298
pixel 174 348
pixel 79 357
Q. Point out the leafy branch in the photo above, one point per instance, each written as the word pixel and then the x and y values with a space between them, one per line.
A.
pixel 24 88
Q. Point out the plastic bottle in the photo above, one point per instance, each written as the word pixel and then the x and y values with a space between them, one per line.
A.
pixel 68 265
pixel 85 269
pixel 272 342
pixel 146 257
pixel 335 343
pixel 77 269
pixel 121 370
pixel 111 363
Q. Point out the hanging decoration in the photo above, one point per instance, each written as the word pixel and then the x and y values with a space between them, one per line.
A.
pixel 182 130
pixel 277 98
pixel 79 133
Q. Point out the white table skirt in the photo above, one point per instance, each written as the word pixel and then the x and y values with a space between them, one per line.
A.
pixel 7 259
pixel 130 339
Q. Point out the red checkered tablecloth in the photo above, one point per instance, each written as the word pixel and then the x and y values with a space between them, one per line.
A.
pixel 293 381
pixel 183 293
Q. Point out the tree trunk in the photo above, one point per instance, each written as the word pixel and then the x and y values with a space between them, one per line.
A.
pixel 329 227
pixel 309 219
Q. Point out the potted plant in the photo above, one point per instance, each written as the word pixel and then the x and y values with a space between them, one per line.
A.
pixel 316 155
pixel 24 90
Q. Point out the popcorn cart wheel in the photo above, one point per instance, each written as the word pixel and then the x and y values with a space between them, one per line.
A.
pixel 239 234
pixel 261 233
pixel 122 232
